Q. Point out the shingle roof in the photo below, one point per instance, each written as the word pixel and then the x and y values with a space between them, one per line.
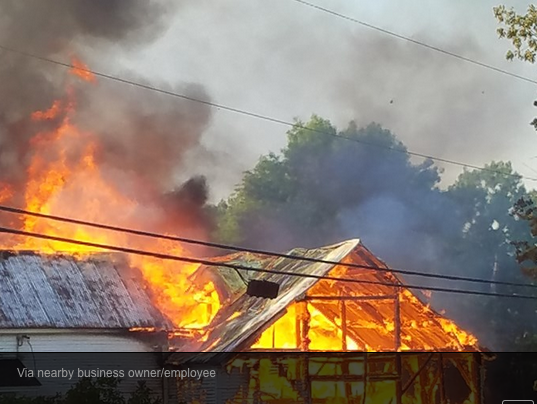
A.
pixel 62 291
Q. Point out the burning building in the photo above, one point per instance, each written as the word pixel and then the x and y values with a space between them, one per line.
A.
pixel 315 316
pixel 374 313
pixel 65 303
pixel 73 147
pixel 319 340
pixel 71 306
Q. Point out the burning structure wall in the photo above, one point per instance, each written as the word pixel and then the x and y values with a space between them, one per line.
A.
pixel 352 378
pixel 327 341
pixel 373 313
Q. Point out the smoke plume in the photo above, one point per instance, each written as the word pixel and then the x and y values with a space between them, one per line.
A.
pixel 324 190
pixel 139 138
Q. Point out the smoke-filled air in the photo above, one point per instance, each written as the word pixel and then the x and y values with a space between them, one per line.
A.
pixel 76 144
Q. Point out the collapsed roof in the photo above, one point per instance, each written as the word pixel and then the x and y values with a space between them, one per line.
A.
pixel 379 316
pixel 103 292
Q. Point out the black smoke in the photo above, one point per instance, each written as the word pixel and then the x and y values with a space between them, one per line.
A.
pixel 323 190
pixel 142 137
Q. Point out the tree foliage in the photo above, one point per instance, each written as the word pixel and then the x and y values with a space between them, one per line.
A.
pixel 91 391
pixel 305 195
pixel 484 201
pixel 321 189
pixel 526 250
pixel 521 30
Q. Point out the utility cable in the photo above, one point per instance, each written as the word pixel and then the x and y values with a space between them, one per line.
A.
pixel 415 42
pixel 257 251
pixel 258 115
pixel 246 268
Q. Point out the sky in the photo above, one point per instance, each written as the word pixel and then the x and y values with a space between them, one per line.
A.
pixel 287 60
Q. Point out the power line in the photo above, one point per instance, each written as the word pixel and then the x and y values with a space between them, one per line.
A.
pixel 246 268
pixel 416 42
pixel 255 251
pixel 258 115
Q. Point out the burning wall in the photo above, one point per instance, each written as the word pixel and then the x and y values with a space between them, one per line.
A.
pixel 372 378
pixel 375 313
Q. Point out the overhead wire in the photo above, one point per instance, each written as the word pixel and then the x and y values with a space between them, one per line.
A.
pixel 258 115
pixel 415 41
pixel 223 246
pixel 292 124
pixel 214 263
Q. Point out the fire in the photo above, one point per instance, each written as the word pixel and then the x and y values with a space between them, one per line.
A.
pixel 65 179
pixel 325 330
pixel 81 70
pixel 323 334
pixel 5 192
pixel 464 338
pixel 49 114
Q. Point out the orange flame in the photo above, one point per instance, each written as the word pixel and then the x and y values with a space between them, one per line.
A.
pixel 5 192
pixel 65 179
pixel 82 71
pixel 325 333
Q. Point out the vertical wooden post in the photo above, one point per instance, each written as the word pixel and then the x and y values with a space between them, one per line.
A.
pixel 397 319
pixel 346 371
pixel 298 326
pixel 442 385
pixel 480 376
pixel 305 326
pixel 398 386
pixel 343 325
pixel 364 397
pixel 306 387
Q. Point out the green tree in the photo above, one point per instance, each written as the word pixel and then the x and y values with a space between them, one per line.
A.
pixel 91 391
pixel 305 196
pixel 321 189
pixel 143 395
pixel 521 30
pixel 484 200
pixel 95 391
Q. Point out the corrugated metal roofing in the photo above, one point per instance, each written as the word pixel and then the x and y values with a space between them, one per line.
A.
pixel 63 291
pixel 242 319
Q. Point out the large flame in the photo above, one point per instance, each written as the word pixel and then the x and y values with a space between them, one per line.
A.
pixel 64 179
pixel 324 331
pixel 322 334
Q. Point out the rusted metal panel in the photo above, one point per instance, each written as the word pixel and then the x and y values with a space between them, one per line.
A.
pixel 62 291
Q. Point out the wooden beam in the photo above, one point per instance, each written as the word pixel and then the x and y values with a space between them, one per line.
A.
pixel 409 383
pixel 356 298
pixel 305 326
pixel 397 321
pixel 442 384
pixel 366 378
pixel 343 325
pixel 398 387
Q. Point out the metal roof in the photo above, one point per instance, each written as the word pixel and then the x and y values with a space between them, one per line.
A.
pixel 242 318
pixel 65 291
